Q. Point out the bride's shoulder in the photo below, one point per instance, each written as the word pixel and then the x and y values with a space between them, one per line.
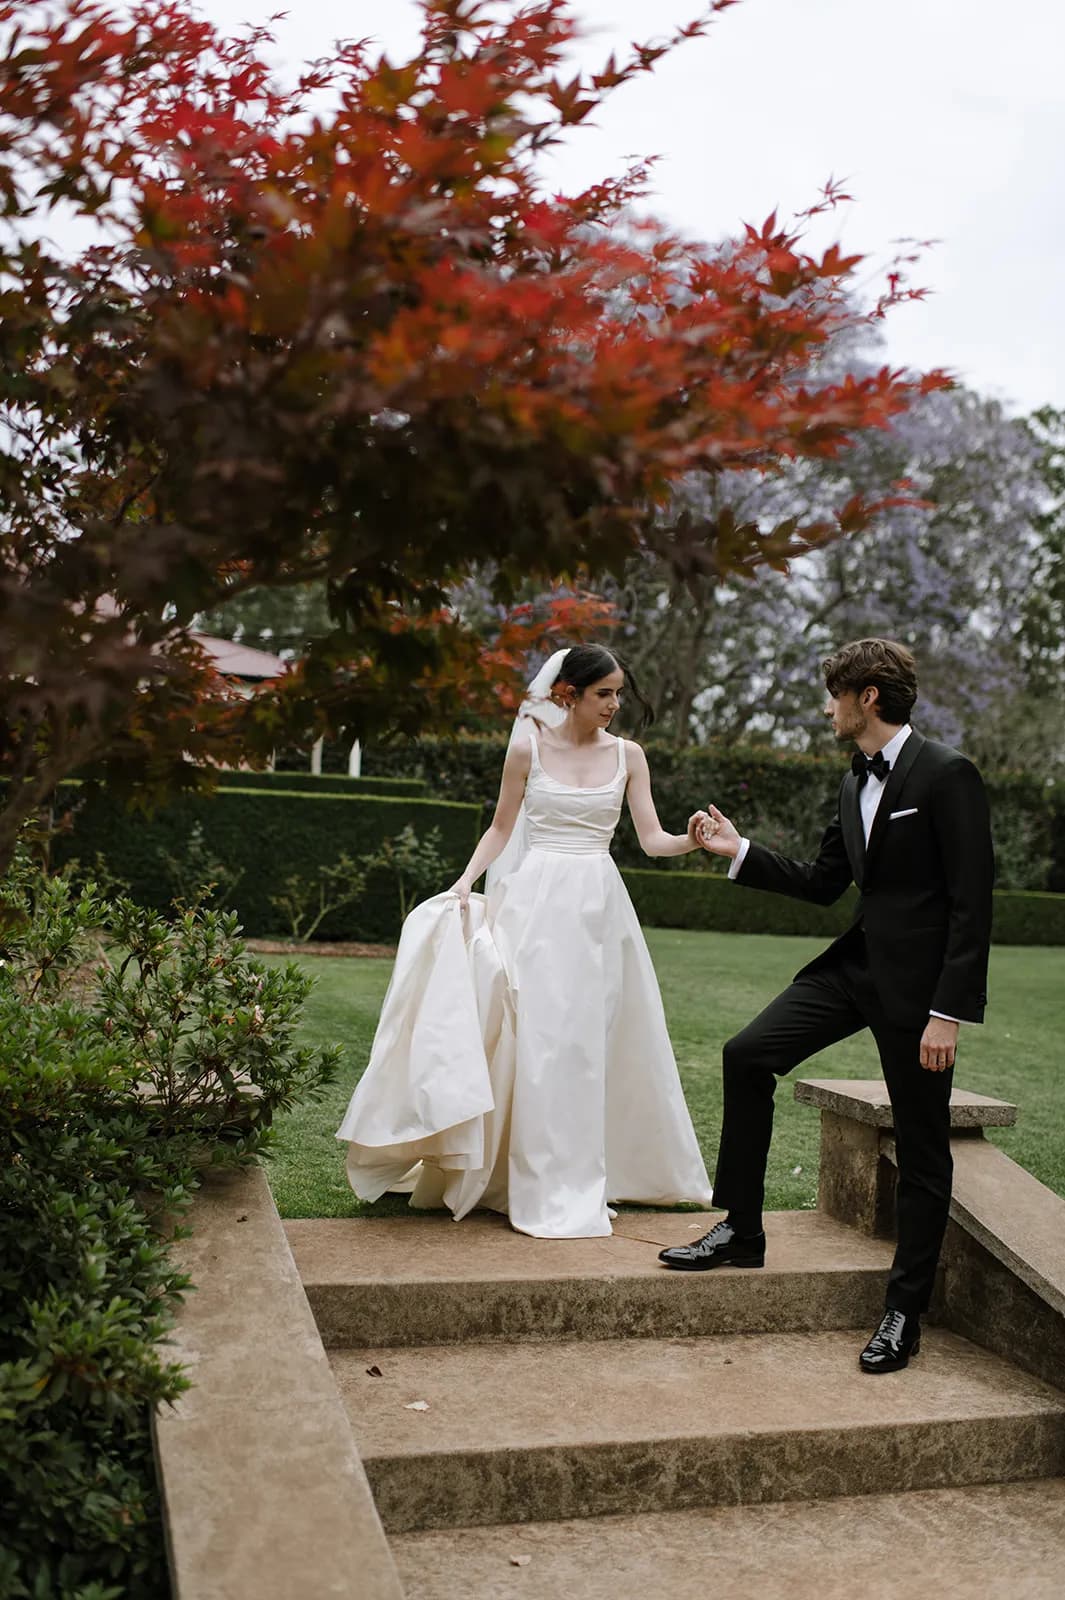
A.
pixel 519 751
pixel 634 752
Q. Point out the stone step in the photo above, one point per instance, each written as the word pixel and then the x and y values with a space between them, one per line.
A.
pixel 535 1432
pixel 427 1280
pixel 976 1543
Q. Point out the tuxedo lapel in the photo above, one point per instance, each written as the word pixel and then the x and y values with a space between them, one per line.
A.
pixel 850 817
pixel 892 791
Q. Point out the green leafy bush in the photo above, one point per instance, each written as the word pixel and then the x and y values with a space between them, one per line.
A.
pixel 417 864
pixel 307 901
pixel 195 875
pixel 116 1080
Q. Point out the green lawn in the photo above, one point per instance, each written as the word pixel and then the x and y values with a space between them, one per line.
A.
pixel 712 984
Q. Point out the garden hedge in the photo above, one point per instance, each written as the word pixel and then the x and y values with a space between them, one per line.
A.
pixel 781 799
pixel 709 901
pixel 320 783
pixel 267 837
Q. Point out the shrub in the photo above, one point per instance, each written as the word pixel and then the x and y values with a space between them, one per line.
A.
pixel 1028 918
pixel 306 902
pixel 780 798
pixel 416 864
pixel 212 1029
pixel 195 875
pixel 709 901
pixel 702 900
pixel 114 1080
pixel 270 838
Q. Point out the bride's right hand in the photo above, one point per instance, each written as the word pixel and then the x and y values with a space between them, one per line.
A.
pixel 461 890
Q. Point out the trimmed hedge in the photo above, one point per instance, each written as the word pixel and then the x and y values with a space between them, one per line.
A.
pixel 781 799
pixel 1025 916
pixel 269 836
pixel 704 900
pixel 320 783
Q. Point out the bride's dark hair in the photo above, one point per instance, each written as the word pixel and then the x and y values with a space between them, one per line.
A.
pixel 586 664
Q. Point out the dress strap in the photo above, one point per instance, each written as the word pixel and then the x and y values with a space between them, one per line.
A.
pixel 623 765
pixel 536 764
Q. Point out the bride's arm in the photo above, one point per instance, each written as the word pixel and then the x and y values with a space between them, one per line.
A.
pixel 654 840
pixel 494 839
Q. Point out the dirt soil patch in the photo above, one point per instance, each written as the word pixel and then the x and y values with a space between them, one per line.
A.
pixel 285 947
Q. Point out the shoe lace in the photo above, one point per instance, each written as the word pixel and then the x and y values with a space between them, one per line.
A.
pixel 892 1327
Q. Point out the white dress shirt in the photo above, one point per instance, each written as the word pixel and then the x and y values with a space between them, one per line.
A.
pixel 869 800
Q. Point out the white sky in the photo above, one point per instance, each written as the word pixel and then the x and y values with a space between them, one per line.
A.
pixel 946 118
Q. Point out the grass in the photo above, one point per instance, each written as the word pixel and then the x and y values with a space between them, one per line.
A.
pixel 712 984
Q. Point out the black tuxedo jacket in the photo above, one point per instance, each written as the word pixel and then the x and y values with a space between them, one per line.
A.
pixel 924 879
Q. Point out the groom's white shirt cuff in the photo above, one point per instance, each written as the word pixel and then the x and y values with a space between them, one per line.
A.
pixel 737 862
pixel 739 858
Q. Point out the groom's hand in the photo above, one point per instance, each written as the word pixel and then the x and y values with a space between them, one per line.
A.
pixel 718 835
pixel 939 1044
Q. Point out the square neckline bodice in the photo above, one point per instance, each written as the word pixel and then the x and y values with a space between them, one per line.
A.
pixel 540 770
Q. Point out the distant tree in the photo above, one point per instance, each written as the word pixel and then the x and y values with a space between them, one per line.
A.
pixel 284 620
pixel 955 577
pixel 341 334
pixel 1042 632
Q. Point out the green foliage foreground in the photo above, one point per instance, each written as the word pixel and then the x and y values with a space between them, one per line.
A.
pixel 132 1051
pixel 712 984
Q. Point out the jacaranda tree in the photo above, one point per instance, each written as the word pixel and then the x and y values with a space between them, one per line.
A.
pixel 340 331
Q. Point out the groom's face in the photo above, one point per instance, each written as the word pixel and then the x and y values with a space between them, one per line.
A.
pixel 847 715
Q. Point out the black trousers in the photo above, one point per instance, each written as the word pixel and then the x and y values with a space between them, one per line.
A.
pixel 816 1011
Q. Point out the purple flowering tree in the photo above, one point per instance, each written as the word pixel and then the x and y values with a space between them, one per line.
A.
pixel 955 580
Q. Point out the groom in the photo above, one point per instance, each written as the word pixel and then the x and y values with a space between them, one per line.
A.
pixel 912 831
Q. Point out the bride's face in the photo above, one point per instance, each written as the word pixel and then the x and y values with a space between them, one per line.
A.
pixel 597 706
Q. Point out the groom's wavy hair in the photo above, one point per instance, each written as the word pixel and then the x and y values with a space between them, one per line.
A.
pixel 879 664
pixel 586 664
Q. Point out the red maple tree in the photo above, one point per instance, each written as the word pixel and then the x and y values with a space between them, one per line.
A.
pixel 342 331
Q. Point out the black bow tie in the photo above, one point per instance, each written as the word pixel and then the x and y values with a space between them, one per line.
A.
pixel 862 766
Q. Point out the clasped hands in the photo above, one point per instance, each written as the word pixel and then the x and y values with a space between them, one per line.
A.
pixel 712 831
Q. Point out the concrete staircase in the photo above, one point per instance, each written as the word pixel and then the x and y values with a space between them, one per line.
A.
pixel 567 1420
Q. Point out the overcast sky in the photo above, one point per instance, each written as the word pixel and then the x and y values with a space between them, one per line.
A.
pixel 946 118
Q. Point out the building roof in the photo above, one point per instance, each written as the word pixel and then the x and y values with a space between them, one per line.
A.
pixel 240 660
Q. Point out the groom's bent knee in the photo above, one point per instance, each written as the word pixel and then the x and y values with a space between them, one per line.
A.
pixel 745 1056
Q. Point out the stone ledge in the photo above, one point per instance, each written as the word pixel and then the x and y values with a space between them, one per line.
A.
pixel 1011 1214
pixel 263 1490
pixel 866 1100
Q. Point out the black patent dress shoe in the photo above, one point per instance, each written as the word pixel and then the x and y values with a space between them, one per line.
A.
pixel 894 1342
pixel 721 1247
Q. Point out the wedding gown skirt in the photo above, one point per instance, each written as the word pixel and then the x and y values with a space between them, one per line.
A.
pixel 522 1056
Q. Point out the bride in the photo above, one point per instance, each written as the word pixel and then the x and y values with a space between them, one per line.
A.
pixel 521 1061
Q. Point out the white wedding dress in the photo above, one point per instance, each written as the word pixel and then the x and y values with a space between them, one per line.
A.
pixel 522 1061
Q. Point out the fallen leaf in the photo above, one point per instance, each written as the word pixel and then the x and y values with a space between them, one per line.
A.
pixel 728 1361
pixel 520 1561
pixel 373 1372
pixel 243 1218
pixel 416 1405
pixel 795 1171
